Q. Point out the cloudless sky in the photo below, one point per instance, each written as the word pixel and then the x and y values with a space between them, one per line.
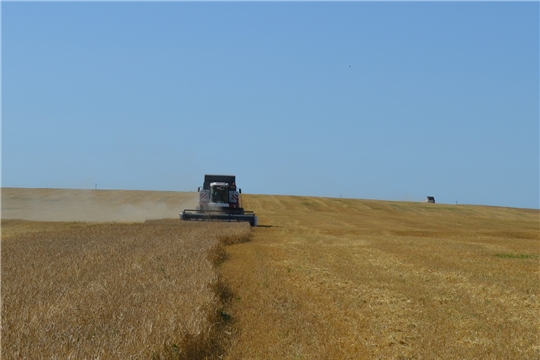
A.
pixel 391 101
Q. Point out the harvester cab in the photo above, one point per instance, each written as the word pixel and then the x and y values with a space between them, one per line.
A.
pixel 219 199
pixel 220 195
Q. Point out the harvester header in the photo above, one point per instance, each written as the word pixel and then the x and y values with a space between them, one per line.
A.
pixel 219 199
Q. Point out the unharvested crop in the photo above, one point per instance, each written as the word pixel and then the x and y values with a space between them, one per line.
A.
pixel 114 291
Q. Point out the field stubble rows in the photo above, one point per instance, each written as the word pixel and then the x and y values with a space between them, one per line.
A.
pixel 354 279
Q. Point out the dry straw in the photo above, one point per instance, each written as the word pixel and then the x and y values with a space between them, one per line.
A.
pixel 355 279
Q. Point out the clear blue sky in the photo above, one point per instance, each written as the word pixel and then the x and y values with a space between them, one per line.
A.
pixel 391 101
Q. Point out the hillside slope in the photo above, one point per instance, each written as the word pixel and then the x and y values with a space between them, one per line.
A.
pixel 354 279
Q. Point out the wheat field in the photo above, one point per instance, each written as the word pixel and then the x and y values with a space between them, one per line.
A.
pixel 319 278
pixel 358 279
pixel 113 291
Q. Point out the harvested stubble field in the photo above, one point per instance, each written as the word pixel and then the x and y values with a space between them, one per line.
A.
pixel 356 279
pixel 320 279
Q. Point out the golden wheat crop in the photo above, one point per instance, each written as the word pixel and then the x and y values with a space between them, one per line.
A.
pixel 114 291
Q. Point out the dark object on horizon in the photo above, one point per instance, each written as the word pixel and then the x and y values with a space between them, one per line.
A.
pixel 430 199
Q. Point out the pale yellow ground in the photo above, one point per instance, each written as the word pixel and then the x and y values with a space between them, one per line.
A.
pixel 353 279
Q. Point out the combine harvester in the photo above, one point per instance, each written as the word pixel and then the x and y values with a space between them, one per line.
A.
pixel 219 199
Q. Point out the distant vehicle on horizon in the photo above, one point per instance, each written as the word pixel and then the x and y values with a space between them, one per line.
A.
pixel 430 199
